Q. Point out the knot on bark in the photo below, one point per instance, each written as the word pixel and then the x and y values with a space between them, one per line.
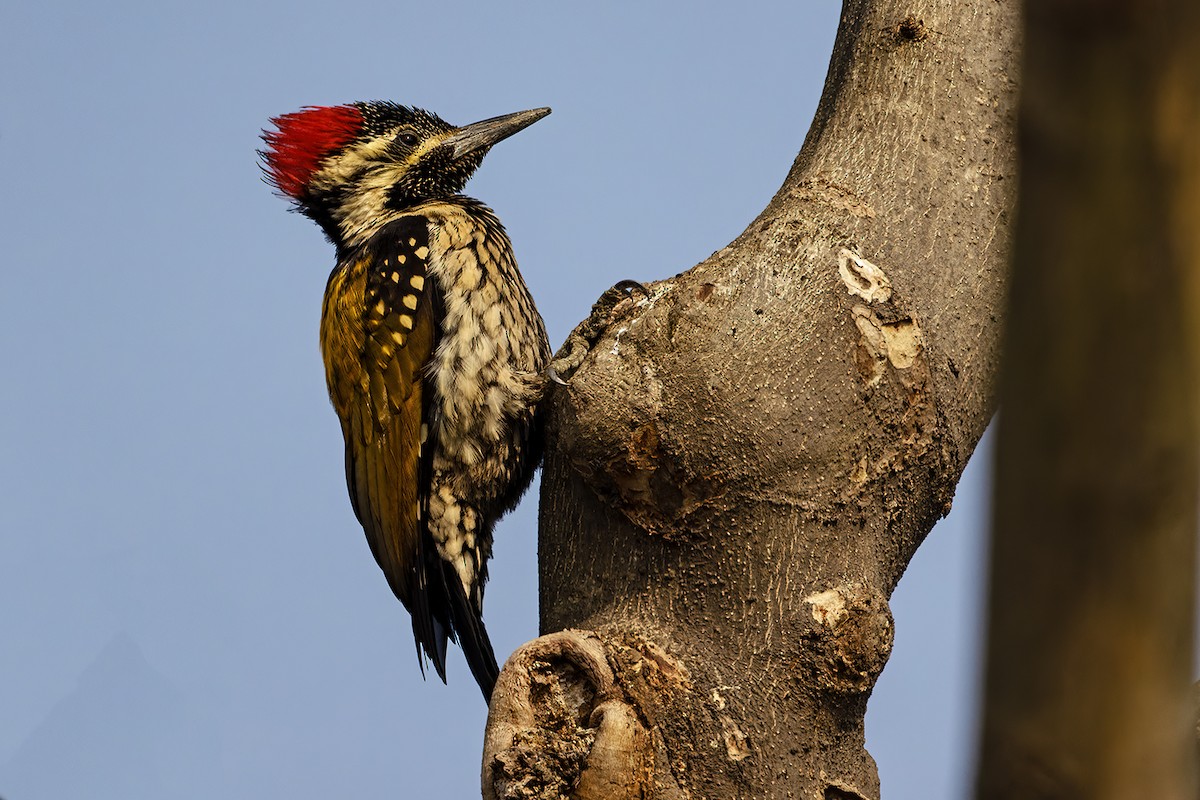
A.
pixel 559 726
pixel 851 637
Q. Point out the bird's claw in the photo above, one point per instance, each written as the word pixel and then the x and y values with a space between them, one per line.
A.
pixel 552 374
pixel 588 332
pixel 629 286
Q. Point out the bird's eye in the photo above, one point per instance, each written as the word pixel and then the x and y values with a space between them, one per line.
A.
pixel 407 139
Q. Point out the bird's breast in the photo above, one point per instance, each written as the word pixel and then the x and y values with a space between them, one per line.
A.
pixel 488 363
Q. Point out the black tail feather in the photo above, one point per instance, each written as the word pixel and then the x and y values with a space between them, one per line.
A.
pixel 431 640
pixel 431 621
pixel 441 612
pixel 442 609
pixel 471 633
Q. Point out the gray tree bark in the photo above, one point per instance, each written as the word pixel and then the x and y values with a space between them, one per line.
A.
pixel 746 460
pixel 1098 453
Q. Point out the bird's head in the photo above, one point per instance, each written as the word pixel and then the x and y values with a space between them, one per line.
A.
pixel 350 168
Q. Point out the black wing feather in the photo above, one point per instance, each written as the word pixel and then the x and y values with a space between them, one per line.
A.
pixel 383 397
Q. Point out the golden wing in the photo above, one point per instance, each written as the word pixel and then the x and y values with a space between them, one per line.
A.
pixel 379 394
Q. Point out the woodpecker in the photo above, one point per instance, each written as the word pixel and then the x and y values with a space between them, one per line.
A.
pixel 435 355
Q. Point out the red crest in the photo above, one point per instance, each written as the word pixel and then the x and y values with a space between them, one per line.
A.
pixel 301 139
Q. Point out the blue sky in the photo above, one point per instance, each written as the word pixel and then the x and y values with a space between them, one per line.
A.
pixel 189 608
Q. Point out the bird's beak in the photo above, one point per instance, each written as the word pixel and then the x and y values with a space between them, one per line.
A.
pixel 482 135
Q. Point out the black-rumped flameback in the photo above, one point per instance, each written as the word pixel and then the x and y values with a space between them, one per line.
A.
pixel 434 352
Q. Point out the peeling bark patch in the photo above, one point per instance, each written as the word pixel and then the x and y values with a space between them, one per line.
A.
pixel 545 761
pixel 870 356
pixel 822 190
pixel 912 29
pixel 892 361
pixel 737 744
pixel 828 607
pixel 538 766
pixel 862 278
pixel 635 475
pixel 904 344
pixel 658 668
pixel 652 488
pixel 859 475
pixel 644 447
pixel 852 637
pixel 898 342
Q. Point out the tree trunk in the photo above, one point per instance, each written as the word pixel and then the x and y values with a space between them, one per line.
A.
pixel 742 466
pixel 1093 554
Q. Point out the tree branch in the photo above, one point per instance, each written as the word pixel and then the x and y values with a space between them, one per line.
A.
pixel 744 462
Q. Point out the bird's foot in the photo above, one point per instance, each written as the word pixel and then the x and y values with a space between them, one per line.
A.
pixel 587 333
